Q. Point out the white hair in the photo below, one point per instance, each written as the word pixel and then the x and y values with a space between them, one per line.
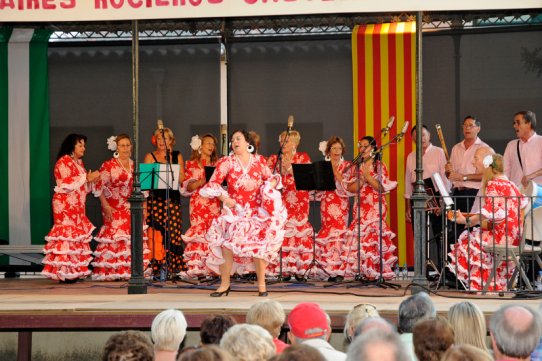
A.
pixel 168 330
pixel 248 342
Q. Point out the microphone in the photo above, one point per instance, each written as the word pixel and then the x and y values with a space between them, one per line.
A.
pixel 160 124
pixel 290 123
pixel 403 131
pixel 387 129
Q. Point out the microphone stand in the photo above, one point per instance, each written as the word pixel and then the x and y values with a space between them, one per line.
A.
pixel 278 167
pixel 380 282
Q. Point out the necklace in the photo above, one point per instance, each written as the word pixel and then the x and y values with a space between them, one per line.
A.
pixel 122 165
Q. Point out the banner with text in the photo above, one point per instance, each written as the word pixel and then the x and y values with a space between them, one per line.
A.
pixel 107 10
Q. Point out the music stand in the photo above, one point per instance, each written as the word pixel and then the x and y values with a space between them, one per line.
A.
pixel 317 176
pixel 209 170
pixel 448 204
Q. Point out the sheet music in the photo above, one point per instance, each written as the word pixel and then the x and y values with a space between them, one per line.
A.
pixel 439 183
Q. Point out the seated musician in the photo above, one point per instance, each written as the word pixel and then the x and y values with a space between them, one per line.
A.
pixel 499 223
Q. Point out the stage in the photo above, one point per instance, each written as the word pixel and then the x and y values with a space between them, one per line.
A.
pixel 41 304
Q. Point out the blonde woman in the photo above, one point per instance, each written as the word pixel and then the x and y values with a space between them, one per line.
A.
pixel 498 223
pixel 248 343
pixel 162 215
pixel 469 325
pixel 298 238
pixel 465 353
pixel 356 316
pixel 270 315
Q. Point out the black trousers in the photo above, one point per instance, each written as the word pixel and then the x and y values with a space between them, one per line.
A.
pixel 463 201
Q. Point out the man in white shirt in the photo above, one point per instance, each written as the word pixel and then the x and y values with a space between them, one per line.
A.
pixel 434 161
pixel 466 181
pixel 309 325
pixel 523 156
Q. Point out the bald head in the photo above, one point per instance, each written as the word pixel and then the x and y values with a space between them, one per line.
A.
pixel 515 331
pixel 479 156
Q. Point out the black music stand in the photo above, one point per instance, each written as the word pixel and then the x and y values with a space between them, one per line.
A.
pixel 317 176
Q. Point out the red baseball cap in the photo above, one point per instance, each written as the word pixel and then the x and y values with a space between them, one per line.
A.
pixel 308 320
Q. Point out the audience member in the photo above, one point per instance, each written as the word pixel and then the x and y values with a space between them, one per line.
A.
pixel 377 345
pixel 167 331
pixel 299 353
pixel 269 314
pixel 248 343
pixel 469 325
pixel 309 325
pixel 128 346
pixel 432 337
pixel 213 327
pixel 206 353
pixel 415 308
pixel 373 323
pixel 355 318
pixel 515 331
pixel 466 352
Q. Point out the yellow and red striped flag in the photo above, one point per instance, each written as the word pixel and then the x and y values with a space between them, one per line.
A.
pixel 384 71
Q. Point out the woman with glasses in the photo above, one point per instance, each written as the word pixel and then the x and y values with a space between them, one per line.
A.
pixel 363 239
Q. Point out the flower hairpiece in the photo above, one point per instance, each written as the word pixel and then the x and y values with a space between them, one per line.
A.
pixel 195 142
pixel 322 147
pixel 111 143
pixel 488 161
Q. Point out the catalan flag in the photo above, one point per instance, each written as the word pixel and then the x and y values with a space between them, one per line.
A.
pixel 384 71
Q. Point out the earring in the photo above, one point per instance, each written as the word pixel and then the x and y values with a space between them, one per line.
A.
pixel 250 148
pixel 116 155
pixel 153 140
pixel 294 151
pixel 199 150
pixel 327 158
pixel 342 158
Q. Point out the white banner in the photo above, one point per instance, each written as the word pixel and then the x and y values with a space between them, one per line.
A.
pixel 101 10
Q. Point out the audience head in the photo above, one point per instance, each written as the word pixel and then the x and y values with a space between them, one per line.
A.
pixel 431 338
pixel 307 320
pixel 168 330
pixel 268 314
pixel 469 324
pixel 374 323
pixel 515 331
pixel 128 346
pixel 377 345
pixel 356 316
pixel 248 343
pixel 299 353
pixel 466 353
pixel 206 353
pixel 213 327
pixel 415 308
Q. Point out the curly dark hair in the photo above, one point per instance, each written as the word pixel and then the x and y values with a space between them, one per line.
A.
pixel 68 144
pixel 213 327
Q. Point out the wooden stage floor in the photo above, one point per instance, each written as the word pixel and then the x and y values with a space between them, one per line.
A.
pixel 34 304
